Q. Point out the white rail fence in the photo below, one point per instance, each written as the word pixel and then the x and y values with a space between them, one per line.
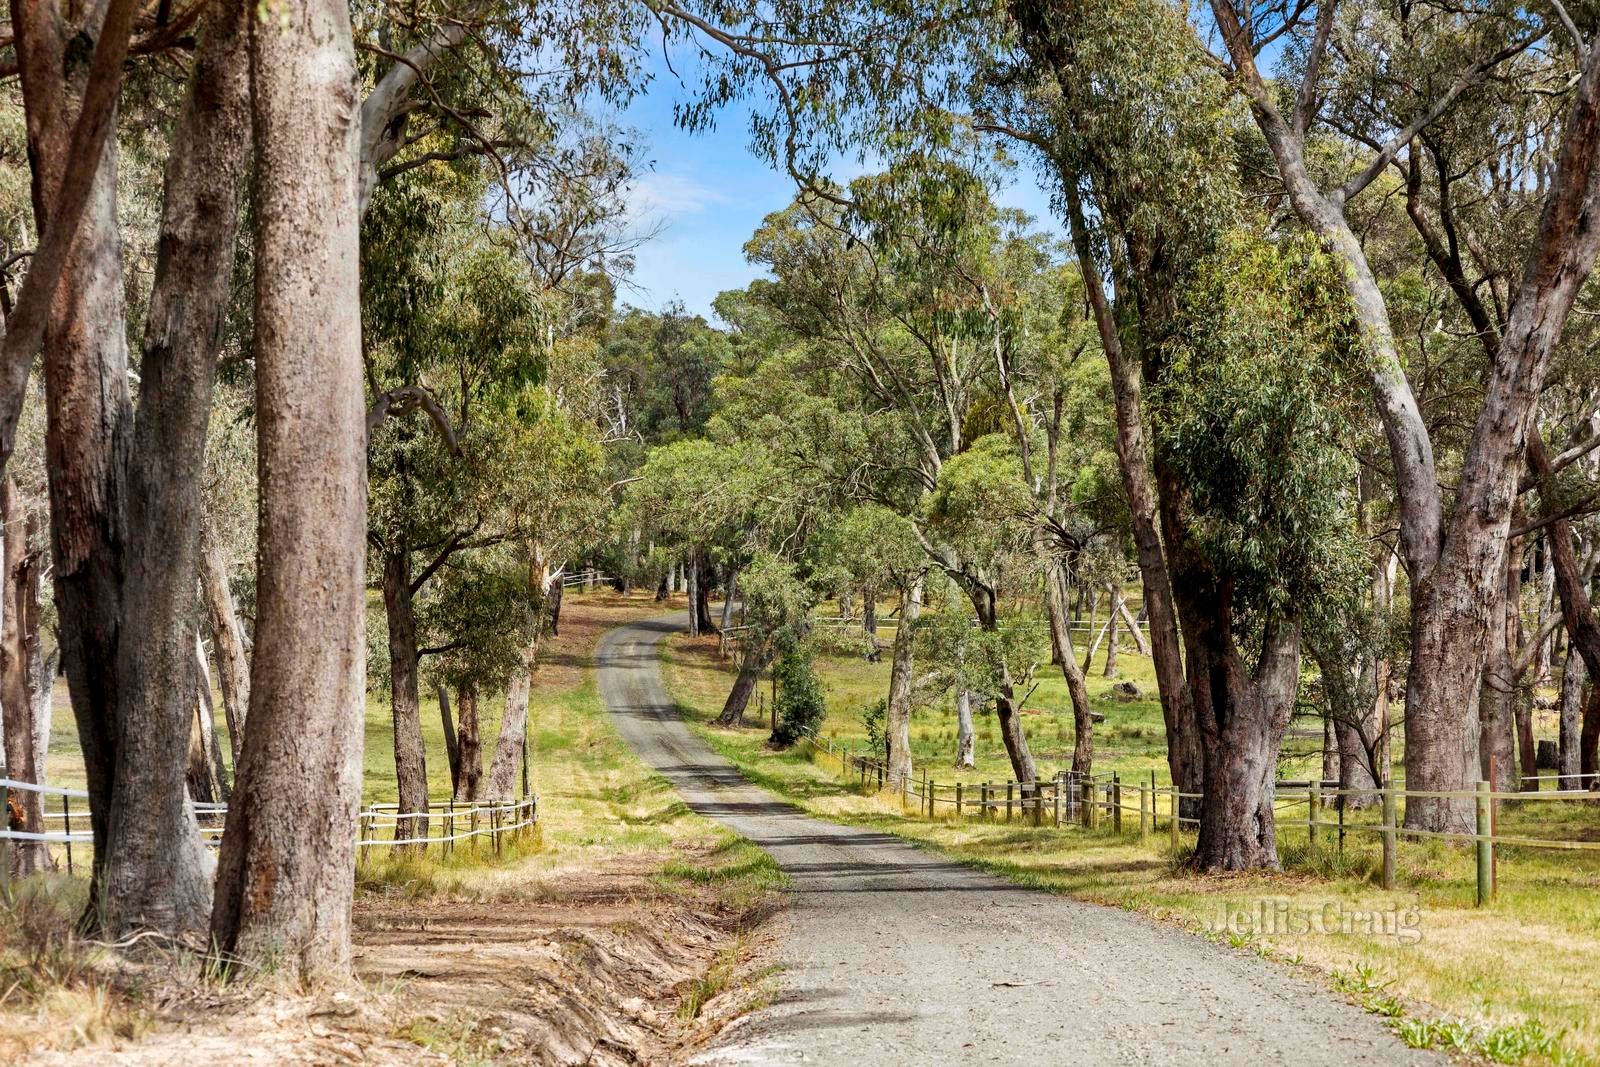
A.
pixel 446 824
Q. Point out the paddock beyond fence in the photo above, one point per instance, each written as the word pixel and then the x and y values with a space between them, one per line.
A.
pixel 446 825
pixel 1105 801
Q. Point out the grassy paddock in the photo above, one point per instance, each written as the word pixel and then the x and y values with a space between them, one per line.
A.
pixel 1514 982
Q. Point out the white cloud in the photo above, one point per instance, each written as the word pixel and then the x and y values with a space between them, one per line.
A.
pixel 662 197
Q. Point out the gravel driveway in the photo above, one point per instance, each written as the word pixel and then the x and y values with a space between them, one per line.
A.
pixel 898 956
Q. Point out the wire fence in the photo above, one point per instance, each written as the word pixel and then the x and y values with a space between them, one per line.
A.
pixel 448 823
pixel 1103 801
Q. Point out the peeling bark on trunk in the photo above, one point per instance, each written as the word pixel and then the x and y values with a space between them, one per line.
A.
pixel 902 668
pixel 468 745
pixel 125 500
pixel 410 760
pixel 287 869
pixel 227 638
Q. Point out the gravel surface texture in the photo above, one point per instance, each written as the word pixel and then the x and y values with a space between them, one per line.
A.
pixel 895 956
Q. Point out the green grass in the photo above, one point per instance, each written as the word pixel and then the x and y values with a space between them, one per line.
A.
pixel 1515 981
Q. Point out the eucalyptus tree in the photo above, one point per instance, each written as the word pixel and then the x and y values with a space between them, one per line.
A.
pixel 881 552
pixel 287 866
pixel 452 324
pixel 1453 550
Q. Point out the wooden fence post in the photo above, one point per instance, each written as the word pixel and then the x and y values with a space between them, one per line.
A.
pixel 1313 816
pixel 1038 800
pixel 958 800
pixel 1485 845
pixel 905 793
pixel 1173 826
pixel 66 809
pixel 1008 801
pixel 1086 803
pixel 1056 790
pixel 1388 837
pixel 1144 815
pixel 1116 800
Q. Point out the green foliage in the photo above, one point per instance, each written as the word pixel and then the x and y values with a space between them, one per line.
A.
pixel 777 604
pixel 801 706
pixel 1252 416
pixel 981 504
pixel 874 717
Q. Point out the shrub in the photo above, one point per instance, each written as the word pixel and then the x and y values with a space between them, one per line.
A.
pixel 800 703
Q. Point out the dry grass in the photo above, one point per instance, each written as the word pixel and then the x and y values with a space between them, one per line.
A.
pixel 599 927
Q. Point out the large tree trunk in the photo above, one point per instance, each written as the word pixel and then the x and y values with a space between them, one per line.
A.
pixel 124 539
pixel 1012 733
pixel 1184 758
pixel 744 687
pixel 902 668
pixel 700 603
pixel 87 440
pixel 1577 612
pixel 508 745
pixel 287 870
pixel 468 745
pixel 1589 739
pixel 157 873
pixel 692 570
pixel 227 638
pixel 1498 689
pixel 410 760
pixel 22 676
pixel 1242 721
pixel 1573 676
pixel 1055 602
pixel 966 740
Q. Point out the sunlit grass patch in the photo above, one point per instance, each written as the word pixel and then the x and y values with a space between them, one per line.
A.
pixel 1518 975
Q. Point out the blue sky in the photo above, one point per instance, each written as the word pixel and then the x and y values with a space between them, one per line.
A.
pixel 708 193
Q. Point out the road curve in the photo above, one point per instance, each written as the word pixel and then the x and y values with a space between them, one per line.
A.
pixel 899 956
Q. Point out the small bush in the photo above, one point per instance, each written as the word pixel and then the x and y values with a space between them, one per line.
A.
pixel 800 703
pixel 874 720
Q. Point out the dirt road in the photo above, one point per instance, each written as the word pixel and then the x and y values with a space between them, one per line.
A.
pixel 898 956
